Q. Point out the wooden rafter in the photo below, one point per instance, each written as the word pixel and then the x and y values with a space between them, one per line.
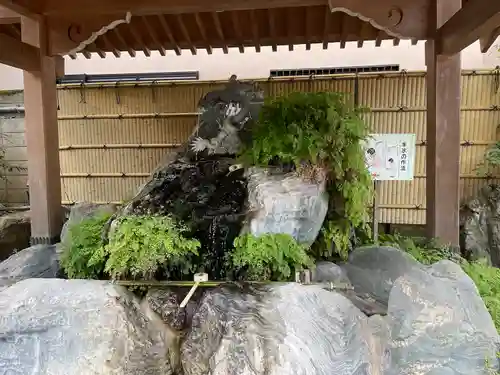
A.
pixel 107 42
pixel 308 28
pixel 118 35
pixel 138 39
pixel 170 36
pixel 218 27
pixel 203 32
pixel 379 38
pixel 470 23
pixel 185 33
pixel 154 36
pixel 326 29
pixel 343 30
pixel 236 26
pixel 289 25
pixel 255 30
pixel 18 54
pixel 272 28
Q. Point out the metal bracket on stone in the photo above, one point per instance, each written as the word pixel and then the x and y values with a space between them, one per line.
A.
pixel 307 277
pixel 303 277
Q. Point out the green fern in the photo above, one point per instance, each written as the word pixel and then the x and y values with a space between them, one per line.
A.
pixel 269 257
pixel 319 130
pixel 140 245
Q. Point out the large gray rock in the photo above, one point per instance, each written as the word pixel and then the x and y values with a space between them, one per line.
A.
pixel 15 232
pixel 39 261
pixel 286 329
pixel 62 327
pixel 439 324
pixel 480 218
pixel 373 270
pixel 285 203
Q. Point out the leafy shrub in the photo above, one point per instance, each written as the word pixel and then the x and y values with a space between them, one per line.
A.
pixel 269 257
pixel 491 159
pixel 139 245
pixel 84 240
pixel 319 131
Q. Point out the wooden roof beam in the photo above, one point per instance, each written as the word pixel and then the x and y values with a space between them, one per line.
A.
pixel 8 16
pixel 150 7
pixel 26 8
pixel 18 54
pixel 469 24
pixel 487 40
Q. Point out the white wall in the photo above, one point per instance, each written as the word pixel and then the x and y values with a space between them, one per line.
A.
pixel 257 65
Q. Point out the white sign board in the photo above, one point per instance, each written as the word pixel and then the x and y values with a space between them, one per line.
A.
pixel 390 156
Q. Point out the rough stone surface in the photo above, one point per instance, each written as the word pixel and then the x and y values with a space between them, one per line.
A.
pixel 38 261
pixel 480 218
pixel 166 303
pixel 373 270
pixel 15 232
pixel 285 203
pixel 84 210
pixel 439 324
pixel 61 327
pixel 287 329
pixel 329 271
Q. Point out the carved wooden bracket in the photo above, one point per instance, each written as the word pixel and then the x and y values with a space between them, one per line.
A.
pixel 403 19
pixel 71 35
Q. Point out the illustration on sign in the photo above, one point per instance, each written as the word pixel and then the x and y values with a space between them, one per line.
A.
pixel 390 156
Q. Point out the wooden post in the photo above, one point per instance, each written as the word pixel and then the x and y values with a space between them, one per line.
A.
pixel 42 140
pixel 443 133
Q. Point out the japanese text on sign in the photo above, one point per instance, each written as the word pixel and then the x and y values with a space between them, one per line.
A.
pixel 390 156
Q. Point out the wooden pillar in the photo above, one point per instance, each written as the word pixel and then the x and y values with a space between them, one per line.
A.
pixel 42 140
pixel 443 133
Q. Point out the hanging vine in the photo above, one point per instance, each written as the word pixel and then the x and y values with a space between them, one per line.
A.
pixel 319 131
